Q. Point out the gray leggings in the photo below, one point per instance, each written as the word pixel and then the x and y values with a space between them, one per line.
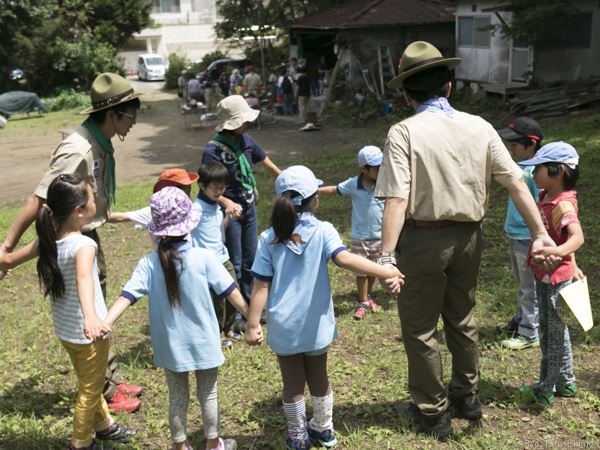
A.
pixel 179 396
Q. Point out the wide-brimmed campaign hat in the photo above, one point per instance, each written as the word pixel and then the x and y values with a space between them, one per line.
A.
pixel 109 89
pixel 417 57
pixel 233 112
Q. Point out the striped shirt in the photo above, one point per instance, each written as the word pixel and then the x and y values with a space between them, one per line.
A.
pixel 66 309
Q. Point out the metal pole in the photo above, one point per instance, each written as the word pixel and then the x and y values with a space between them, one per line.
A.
pixel 262 57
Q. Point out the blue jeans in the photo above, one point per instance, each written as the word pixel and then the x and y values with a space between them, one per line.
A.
pixel 241 239
pixel 527 316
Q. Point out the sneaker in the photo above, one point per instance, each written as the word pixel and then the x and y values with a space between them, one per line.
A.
pixel 232 335
pixel 361 311
pixel 120 403
pixel 468 406
pixel 374 307
pixel 520 342
pixel 224 444
pixel 187 446
pixel 296 444
pixel 567 390
pixel 537 396
pixel 439 426
pixel 130 389
pixel 326 438
pixel 510 328
pixel 93 446
pixel 116 432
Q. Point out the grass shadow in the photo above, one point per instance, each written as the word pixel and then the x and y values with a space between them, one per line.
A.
pixel 24 398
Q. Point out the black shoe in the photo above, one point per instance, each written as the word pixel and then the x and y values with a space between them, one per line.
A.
pixel 510 328
pixel 239 326
pixel 263 317
pixel 467 406
pixel 438 426
pixel 116 432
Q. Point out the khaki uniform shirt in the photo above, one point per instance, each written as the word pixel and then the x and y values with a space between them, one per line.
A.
pixel 252 82
pixel 444 165
pixel 79 154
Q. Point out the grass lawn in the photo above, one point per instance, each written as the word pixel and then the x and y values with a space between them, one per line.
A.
pixel 367 365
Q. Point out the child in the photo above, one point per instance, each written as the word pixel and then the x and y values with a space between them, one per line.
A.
pixel 555 174
pixel 67 270
pixel 367 212
pixel 183 327
pixel 210 234
pixel 525 136
pixel 292 279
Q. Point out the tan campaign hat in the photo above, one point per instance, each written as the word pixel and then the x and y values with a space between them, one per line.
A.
pixel 577 297
pixel 419 56
pixel 109 89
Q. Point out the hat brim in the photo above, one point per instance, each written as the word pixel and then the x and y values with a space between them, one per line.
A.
pixel 509 134
pixel 91 109
pixel 398 82
pixel 249 115
pixel 181 229
pixel 534 161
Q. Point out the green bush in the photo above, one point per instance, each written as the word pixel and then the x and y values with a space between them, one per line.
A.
pixel 67 99
pixel 176 64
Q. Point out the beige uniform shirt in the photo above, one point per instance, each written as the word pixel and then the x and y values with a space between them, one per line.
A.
pixel 252 82
pixel 79 154
pixel 444 165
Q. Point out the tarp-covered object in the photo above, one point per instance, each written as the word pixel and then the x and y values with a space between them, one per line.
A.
pixel 20 102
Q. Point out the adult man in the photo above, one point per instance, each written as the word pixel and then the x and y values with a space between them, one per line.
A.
pixel 251 82
pixel 88 153
pixel 435 177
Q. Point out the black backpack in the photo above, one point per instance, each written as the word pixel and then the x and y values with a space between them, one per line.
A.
pixel 286 85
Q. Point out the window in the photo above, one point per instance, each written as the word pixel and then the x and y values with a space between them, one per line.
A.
pixel 166 6
pixel 202 5
pixel 474 31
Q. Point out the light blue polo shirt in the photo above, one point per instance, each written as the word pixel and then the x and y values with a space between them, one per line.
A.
pixel 209 231
pixel 300 308
pixel 184 338
pixel 367 211
pixel 514 225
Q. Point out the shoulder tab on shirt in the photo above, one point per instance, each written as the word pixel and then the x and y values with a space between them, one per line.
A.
pixel 75 141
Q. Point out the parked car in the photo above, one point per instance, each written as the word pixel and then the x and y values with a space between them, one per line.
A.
pixel 151 67
pixel 219 66
pixel 17 74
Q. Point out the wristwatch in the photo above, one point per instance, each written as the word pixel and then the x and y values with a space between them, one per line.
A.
pixel 385 258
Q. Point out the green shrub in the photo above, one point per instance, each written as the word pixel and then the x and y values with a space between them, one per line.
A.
pixel 67 99
pixel 176 64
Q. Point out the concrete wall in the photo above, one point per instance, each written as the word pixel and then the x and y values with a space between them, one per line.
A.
pixel 485 65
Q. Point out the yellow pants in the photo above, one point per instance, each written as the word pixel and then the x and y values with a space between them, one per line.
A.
pixel 91 411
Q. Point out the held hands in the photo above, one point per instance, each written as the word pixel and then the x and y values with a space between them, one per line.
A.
pixel 394 282
pixel 254 335
pixel 233 210
pixel 94 329
pixel 545 254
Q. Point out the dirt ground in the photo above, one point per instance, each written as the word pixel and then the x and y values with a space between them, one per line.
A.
pixel 160 140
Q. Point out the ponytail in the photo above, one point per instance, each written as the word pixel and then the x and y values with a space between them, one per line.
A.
pixel 285 214
pixel 168 257
pixel 49 275
pixel 65 194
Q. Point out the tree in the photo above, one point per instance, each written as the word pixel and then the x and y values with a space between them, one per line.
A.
pixel 541 24
pixel 66 43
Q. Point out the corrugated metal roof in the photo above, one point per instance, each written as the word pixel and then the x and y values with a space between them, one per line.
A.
pixel 366 13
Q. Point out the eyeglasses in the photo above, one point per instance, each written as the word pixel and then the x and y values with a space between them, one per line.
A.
pixel 128 115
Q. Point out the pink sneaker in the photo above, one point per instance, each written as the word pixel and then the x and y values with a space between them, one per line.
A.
pixel 130 389
pixel 361 311
pixel 120 403
pixel 374 307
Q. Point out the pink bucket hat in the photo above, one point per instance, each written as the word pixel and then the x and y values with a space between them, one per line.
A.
pixel 172 213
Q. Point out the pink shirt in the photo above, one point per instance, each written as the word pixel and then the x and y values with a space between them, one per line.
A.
pixel 557 213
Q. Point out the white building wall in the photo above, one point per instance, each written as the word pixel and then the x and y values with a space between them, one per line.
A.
pixel 484 65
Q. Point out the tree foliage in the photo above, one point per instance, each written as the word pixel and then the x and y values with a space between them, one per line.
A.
pixel 65 43
pixel 541 24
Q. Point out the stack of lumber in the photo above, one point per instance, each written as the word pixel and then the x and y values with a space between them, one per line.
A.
pixel 556 99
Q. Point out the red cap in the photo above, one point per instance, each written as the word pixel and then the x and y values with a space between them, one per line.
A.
pixel 175 177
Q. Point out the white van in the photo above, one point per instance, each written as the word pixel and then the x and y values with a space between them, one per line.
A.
pixel 151 67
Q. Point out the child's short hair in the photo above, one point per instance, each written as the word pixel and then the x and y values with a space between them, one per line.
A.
pixel 570 177
pixel 212 172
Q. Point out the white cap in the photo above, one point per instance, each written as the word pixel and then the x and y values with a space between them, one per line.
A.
pixel 300 179
pixel 370 156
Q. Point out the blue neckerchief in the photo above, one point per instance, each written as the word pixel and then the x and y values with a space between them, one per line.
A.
pixel 303 232
pixel 437 104
pixel 202 196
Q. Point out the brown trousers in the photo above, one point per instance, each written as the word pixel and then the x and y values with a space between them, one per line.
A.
pixel 224 310
pixel 441 267
pixel 112 377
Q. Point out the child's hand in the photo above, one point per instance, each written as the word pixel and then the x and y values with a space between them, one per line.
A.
pixel 393 285
pixel 94 329
pixel 548 260
pixel 578 274
pixel 254 335
pixel 233 210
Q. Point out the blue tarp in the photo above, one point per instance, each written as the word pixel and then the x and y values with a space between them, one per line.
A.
pixel 20 102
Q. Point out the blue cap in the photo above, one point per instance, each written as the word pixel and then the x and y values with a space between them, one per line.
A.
pixel 370 156
pixel 299 179
pixel 558 152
